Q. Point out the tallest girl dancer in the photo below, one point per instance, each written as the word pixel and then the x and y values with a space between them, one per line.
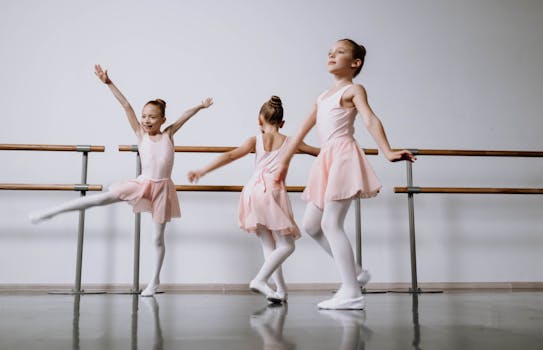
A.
pixel 341 171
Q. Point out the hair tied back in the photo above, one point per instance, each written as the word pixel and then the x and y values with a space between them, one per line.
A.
pixel 275 101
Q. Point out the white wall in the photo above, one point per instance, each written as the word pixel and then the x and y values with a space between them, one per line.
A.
pixel 448 74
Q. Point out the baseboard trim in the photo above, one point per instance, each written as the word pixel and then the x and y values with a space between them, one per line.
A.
pixel 305 287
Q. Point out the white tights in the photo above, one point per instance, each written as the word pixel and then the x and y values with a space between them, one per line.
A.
pixel 326 227
pixel 105 199
pixel 159 252
pixel 276 248
pixel 75 204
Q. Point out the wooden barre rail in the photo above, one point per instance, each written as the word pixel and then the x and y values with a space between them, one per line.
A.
pixel 215 149
pixel 214 188
pixel 61 148
pixel 53 187
pixel 467 190
pixel 474 153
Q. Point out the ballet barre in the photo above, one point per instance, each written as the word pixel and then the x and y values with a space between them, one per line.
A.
pixel 220 188
pixel 82 188
pixel 410 190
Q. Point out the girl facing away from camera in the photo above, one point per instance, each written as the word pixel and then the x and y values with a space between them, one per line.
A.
pixel 264 206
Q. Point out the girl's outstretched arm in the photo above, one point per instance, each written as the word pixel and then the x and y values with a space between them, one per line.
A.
pixel 294 145
pixel 225 158
pixel 128 110
pixel 305 148
pixel 189 113
pixel 375 127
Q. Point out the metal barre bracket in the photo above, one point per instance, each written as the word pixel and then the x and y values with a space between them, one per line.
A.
pixel 81 187
pixel 83 148
pixel 413 189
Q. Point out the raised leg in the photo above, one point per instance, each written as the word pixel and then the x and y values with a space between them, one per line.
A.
pixel 75 204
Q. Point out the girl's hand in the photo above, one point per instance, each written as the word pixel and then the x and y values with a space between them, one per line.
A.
pixel 281 174
pixel 194 176
pixel 207 102
pixel 101 74
pixel 404 154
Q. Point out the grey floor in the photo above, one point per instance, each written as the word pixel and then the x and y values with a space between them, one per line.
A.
pixel 460 320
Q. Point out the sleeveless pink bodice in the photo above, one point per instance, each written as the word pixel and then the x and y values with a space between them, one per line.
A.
pixel 268 161
pixel 333 120
pixel 153 191
pixel 264 202
pixel 156 157
pixel 341 170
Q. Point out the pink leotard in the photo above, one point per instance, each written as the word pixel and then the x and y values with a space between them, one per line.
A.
pixel 153 191
pixel 341 170
pixel 263 202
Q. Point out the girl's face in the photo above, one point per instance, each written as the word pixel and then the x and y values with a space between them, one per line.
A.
pixel 340 58
pixel 151 119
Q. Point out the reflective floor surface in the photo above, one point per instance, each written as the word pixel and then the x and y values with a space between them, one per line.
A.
pixel 460 320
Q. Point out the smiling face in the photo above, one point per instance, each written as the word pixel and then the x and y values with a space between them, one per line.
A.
pixel 342 58
pixel 152 119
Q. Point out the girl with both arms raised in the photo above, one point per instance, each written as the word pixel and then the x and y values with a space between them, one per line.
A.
pixel 264 206
pixel 341 171
pixel 153 191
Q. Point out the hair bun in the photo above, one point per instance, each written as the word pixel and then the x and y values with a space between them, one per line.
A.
pixel 161 101
pixel 275 101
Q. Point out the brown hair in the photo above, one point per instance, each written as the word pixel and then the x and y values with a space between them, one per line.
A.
pixel 359 52
pixel 272 111
pixel 161 104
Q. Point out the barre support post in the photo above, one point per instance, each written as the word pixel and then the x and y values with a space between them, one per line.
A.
pixel 412 243
pixel 137 235
pixel 81 228
pixel 358 232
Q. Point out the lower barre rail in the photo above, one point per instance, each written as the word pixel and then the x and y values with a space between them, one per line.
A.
pixel 412 190
pixel 52 187
pixel 219 188
pixel 469 190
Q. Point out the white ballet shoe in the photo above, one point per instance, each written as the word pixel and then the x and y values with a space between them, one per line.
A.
pixel 150 290
pixel 363 278
pixel 283 296
pixel 343 304
pixel 263 288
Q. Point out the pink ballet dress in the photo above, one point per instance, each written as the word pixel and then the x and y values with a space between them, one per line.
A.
pixel 264 202
pixel 341 170
pixel 153 191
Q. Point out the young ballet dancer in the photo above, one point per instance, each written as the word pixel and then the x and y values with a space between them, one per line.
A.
pixel 153 191
pixel 264 207
pixel 341 172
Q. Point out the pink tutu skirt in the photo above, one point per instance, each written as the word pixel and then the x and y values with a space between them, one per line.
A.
pixel 146 195
pixel 265 203
pixel 341 171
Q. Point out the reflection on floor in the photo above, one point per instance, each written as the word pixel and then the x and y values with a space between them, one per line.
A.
pixel 462 320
